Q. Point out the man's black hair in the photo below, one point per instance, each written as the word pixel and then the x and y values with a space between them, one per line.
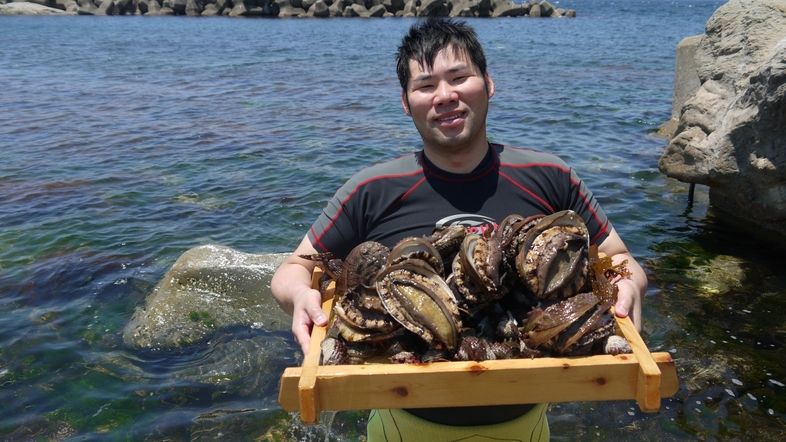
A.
pixel 427 37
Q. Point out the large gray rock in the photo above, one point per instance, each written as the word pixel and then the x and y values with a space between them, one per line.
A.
pixel 107 7
pixel 319 9
pixel 27 9
pixel 430 8
pixel 731 133
pixel 337 8
pixel 193 9
pixel 208 288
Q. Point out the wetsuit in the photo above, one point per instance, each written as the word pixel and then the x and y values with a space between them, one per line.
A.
pixel 410 196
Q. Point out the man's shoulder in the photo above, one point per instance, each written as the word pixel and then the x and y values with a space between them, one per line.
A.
pixel 523 157
pixel 401 167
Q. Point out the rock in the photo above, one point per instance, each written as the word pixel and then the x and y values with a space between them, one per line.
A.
pixel 287 9
pixel 393 6
pixel 731 132
pixel 377 11
pixel 505 8
pixel 208 288
pixel 124 7
pixel 153 7
pixel 179 6
pixel 546 9
pixel 106 8
pixel 410 9
pixel 686 82
pixel 319 9
pixel 428 8
pixel 193 9
pixel 87 7
pixel 463 8
pixel 27 9
pixel 337 8
pixel 358 10
pixel 534 10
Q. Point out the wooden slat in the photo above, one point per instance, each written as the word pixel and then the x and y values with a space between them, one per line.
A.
pixel 308 391
pixel 446 384
pixel 649 376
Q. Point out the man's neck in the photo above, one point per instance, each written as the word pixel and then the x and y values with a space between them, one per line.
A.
pixel 462 161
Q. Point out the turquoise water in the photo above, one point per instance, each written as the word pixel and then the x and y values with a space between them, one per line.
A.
pixel 126 141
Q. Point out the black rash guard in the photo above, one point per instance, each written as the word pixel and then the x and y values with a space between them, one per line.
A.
pixel 409 196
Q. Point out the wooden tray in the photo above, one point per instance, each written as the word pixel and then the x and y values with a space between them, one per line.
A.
pixel 643 376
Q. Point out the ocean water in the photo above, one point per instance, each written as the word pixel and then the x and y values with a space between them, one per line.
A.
pixel 125 141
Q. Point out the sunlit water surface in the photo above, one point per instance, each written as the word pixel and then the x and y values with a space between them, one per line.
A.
pixel 126 141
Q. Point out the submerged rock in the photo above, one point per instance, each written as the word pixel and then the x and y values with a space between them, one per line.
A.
pixel 208 288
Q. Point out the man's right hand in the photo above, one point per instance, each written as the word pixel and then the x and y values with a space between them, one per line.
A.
pixel 291 287
pixel 307 313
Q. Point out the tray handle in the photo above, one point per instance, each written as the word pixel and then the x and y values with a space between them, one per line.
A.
pixel 308 391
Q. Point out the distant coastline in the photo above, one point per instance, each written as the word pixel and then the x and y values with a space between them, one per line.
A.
pixel 289 8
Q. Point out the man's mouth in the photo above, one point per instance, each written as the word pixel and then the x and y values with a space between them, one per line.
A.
pixel 450 118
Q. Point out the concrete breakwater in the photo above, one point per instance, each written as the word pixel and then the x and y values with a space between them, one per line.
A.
pixel 293 8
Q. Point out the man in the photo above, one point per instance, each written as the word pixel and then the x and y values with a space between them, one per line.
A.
pixel 458 178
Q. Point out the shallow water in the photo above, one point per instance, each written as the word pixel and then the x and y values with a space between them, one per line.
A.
pixel 126 141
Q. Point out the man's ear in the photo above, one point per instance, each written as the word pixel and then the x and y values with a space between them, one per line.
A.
pixel 404 103
pixel 489 85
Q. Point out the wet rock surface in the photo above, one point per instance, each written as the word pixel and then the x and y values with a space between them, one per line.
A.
pixel 207 289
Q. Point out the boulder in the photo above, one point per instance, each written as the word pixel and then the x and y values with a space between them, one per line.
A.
pixel 86 7
pixel 463 8
pixel 124 7
pixel 319 9
pixel 686 82
pixel 179 6
pixel 534 10
pixel 431 8
pixel 287 9
pixel 214 9
pixel 28 9
pixel 193 8
pixel 208 288
pixel 377 11
pixel 410 9
pixel 393 6
pixel 337 8
pixel 349 12
pixel 546 9
pixel 731 133
pixel 106 8
pixel 505 8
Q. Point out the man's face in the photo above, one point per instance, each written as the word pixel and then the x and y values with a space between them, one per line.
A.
pixel 449 103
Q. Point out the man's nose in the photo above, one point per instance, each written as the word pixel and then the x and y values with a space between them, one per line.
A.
pixel 444 94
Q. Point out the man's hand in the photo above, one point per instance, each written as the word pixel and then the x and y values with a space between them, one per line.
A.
pixel 307 313
pixel 631 289
pixel 291 287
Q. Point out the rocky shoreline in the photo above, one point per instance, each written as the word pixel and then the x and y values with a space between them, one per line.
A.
pixel 289 8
